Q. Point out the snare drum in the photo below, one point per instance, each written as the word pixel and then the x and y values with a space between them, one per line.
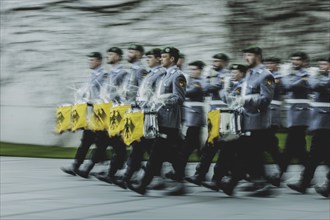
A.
pixel 151 129
pixel 230 125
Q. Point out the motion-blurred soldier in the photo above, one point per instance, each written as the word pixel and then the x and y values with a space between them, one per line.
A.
pixel 214 84
pixel 319 125
pixel 137 71
pixel 171 91
pixel 115 82
pixel 227 155
pixel 146 92
pixel 97 79
pixel 272 64
pixel 297 89
pixel 257 93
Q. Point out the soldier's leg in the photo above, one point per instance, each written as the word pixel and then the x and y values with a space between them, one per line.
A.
pixel 289 149
pixel 272 147
pixel 88 138
pixel 301 151
pixel 191 143
pixel 119 156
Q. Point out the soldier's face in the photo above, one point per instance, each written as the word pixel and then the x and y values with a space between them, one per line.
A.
pixel 218 64
pixel 132 56
pixel 166 60
pixel 93 62
pixel 195 71
pixel 250 59
pixel 324 66
pixel 297 62
pixel 236 75
pixel 180 62
pixel 153 61
pixel 271 66
pixel 112 58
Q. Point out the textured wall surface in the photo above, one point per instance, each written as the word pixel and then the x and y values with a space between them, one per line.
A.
pixel 44 43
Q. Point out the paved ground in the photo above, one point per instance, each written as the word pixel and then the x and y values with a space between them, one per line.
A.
pixel 37 189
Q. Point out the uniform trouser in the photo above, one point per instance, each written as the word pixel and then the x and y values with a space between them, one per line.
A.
pixel 119 152
pixel 136 156
pixel 208 153
pixel 191 142
pixel 295 146
pixel 320 151
pixel 250 156
pixel 226 159
pixel 165 149
pixel 272 146
pixel 101 142
pixel 88 138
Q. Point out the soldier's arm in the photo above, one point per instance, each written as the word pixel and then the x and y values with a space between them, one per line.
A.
pixel 265 96
pixel 194 90
pixel 179 91
pixel 140 74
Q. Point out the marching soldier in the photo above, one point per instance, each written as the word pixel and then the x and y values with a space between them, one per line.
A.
pixel 297 88
pixel 146 92
pixel 227 154
pixel 272 64
pixel 319 125
pixel 213 86
pixel 171 91
pixel 116 79
pixel 96 81
pixel 257 93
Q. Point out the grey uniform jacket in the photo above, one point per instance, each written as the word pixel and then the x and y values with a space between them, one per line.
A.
pixel 194 114
pixel 134 80
pixel 96 81
pixel 116 80
pixel 214 84
pixel 173 84
pixel 276 103
pixel 258 93
pixel 296 102
pixel 147 88
pixel 320 107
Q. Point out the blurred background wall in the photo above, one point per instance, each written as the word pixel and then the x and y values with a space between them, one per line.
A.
pixel 44 45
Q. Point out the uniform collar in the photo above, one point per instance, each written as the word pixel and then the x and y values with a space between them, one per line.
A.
pixel 171 70
pixel 136 65
pixel 257 69
pixel 97 71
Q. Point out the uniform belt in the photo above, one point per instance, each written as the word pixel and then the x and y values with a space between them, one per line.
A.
pixel 320 104
pixel 217 102
pixel 297 101
pixel 276 102
pixel 191 104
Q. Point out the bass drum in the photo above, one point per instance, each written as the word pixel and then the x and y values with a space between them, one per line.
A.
pixel 230 125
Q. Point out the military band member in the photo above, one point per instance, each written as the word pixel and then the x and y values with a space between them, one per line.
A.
pixel 272 64
pixel 146 93
pixel 297 90
pixel 171 91
pixel 227 155
pixel 257 93
pixel 116 78
pixel 319 125
pixel 214 83
pixel 97 79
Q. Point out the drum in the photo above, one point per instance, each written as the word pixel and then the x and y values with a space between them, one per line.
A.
pixel 151 129
pixel 230 125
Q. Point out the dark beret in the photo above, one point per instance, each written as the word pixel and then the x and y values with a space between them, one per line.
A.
pixel 200 64
pixel 116 50
pixel 221 56
pixel 96 55
pixel 253 49
pixel 300 54
pixel 239 67
pixel 324 58
pixel 137 47
pixel 272 60
pixel 154 51
pixel 172 51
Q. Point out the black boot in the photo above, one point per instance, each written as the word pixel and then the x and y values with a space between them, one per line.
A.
pixel 323 190
pixel 72 170
pixel 140 189
pixel 178 190
pixel 300 186
pixel 228 187
pixel 85 173
pixel 196 179
pixel 214 185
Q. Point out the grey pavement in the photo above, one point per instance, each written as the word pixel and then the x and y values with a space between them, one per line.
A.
pixel 34 188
